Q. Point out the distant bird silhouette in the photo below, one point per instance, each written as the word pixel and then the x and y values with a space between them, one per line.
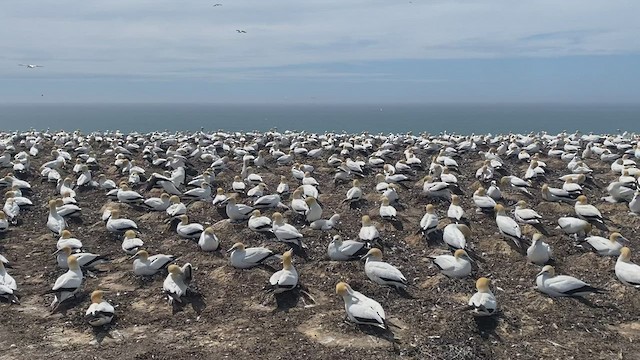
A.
pixel 31 66
pixel 241 31
pixel 217 5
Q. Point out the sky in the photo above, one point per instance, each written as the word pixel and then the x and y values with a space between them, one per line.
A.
pixel 306 51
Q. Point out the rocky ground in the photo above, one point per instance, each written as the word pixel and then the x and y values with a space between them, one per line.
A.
pixel 232 317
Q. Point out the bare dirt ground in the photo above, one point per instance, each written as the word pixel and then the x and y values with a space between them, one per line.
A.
pixel 234 319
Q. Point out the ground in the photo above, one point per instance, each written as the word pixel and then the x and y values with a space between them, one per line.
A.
pixel 233 318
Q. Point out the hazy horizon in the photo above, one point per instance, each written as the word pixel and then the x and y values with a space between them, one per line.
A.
pixel 326 51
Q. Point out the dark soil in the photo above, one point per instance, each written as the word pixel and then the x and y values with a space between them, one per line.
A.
pixel 233 318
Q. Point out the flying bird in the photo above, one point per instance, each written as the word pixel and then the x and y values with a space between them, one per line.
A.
pixel 241 31
pixel 31 66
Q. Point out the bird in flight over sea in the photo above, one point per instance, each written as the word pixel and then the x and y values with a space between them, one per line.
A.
pixel 217 5
pixel 31 66
pixel 241 31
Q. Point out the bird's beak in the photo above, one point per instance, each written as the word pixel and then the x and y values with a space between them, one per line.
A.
pixel 540 273
pixel 56 252
pixel 230 250
pixel 625 239
pixel 365 257
pixel 133 257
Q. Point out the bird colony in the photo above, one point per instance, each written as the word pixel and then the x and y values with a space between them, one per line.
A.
pixel 385 237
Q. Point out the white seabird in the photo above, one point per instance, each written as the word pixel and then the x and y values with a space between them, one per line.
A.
pixel 339 250
pixel 100 312
pixel 383 273
pixel 361 309
pixel 145 265
pixel 562 285
pixel 67 284
pixel 208 240
pixel 483 302
pixel 131 243
pixel 457 265
pixel 627 272
pixel 245 258
pixel 176 284
pixel 285 279
pixel 539 252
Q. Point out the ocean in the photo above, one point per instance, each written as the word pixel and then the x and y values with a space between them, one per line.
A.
pixel 389 118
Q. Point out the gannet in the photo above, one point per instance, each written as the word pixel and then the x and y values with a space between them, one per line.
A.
pixel 158 203
pixel 429 221
pixel 589 213
pixel 130 243
pixel 340 250
pixel 188 230
pixel 68 210
pixel 437 189
pixel 483 302
pixel 368 231
pixel 634 204
pixel 382 273
pixel 529 216
pixel 208 241
pixel 285 232
pixel 454 235
pixel 8 285
pixel 457 265
pixel 517 184
pixel 104 183
pixel 125 195
pixel 539 252
pixel 259 223
pixel 285 279
pixel 606 247
pixel 4 223
pixel 508 227
pixel 268 202
pixel 176 284
pixel 455 211
pixel 283 186
pixel 176 208
pixel 325 224
pixel 66 239
pixel 483 202
pixel 85 177
pixel 85 260
pixel 117 225
pixel 298 204
pixel 627 272
pixel 354 194
pixel 562 285
pixel 237 212
pixel 245 258
pixel 100 312
pixel 494 191
pixel 557 195
pixel 145 265
pixel 220 199
pixel 67 187
pixel 574 226
pixel 257 191
pixel 67 284
pixel 387 211
pixel 314 211
pixel 238 185
pixel 55 222
pixel 361 309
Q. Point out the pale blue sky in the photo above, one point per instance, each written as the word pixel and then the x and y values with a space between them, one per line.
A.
pixel 493 51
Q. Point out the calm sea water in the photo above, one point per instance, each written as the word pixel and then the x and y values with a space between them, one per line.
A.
pixel 465 119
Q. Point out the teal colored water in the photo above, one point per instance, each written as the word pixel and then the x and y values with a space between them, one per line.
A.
pixel 465 118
